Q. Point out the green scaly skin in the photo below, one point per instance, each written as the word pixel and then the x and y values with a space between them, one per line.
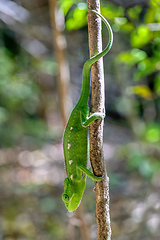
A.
pixel 76 139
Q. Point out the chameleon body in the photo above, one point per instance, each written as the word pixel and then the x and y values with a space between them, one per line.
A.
pixel 76 139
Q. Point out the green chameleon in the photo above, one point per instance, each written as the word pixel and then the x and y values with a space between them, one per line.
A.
pixel 76 138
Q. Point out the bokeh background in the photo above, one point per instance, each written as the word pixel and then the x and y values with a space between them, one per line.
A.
pixel 34 106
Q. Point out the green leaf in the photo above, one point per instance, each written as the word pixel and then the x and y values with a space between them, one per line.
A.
pixel 127 27
pixel 154 3
pixel 131 57
pixel 140 90
pixel 134 12
pixel 141 36
pixel 66 5
pixel 78 20
pixel 150 15
pixel 153 133
pixel 111 11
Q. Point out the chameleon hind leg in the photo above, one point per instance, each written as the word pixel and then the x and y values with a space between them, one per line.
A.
pixel 88 173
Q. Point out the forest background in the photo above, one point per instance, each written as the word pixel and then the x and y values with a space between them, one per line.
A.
pixel 31 123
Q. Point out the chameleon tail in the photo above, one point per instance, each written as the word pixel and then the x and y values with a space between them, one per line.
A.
pixel 83 100
pixel 109 45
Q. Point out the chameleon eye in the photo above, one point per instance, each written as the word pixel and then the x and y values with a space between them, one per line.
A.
pixel 65 197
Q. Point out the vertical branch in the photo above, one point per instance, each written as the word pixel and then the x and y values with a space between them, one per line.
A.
pixel 96 128
pixel 59 42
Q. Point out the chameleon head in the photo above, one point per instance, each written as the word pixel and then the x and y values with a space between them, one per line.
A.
pixel 73 192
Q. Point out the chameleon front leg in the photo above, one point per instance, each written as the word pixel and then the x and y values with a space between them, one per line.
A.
pixel 92 118
pixel 88 173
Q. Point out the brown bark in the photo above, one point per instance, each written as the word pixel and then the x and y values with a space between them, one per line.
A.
pixel 96 128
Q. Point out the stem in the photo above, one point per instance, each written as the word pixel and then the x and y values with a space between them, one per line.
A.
pixel 59 42
pixel 96 128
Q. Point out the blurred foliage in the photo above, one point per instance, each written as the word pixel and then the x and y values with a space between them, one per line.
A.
pixel 144 59
pixel 144 42
pixel 132 56
pixel 20 97
pixel 30 204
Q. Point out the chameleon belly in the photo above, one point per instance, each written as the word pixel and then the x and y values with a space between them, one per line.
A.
pixel 75 145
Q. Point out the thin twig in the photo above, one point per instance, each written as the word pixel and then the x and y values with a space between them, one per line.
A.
pixel 59 42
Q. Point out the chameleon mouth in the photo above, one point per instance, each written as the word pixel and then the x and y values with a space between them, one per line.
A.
pixel 70 209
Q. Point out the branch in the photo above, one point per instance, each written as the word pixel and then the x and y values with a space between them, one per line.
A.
pixel 96 128
pixel 59 42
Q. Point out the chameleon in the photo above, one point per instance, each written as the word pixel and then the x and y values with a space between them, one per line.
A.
pixel 76 136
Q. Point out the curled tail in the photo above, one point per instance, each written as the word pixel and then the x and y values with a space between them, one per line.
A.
pixel 110 42
pixel 83 100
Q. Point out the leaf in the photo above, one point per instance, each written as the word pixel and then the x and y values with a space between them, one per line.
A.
pixel 140 36
pixel 153 133
pixel 150 15
pixel 122 24
pixel 78 20
pixel 134 12
pixel 154 3
pixel 131 57
pixel 66 5
pixel 140 90
pixel 111 11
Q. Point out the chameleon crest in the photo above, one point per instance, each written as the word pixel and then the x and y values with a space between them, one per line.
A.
pixel 76 140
